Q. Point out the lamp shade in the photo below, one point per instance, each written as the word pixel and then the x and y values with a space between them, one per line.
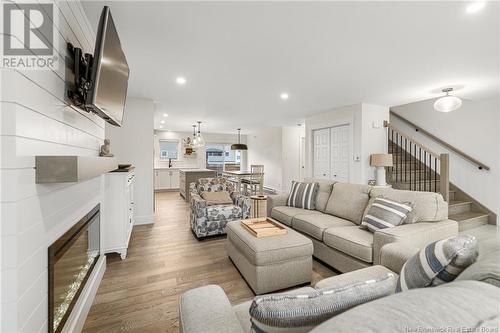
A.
pixel 381 160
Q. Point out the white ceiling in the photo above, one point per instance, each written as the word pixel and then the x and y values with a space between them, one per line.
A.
pixel 239 57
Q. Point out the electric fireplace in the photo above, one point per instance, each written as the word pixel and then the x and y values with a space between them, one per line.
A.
pixel 71 260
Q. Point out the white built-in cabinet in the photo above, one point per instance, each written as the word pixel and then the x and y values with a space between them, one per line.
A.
pixel 118 211
pixel 166 179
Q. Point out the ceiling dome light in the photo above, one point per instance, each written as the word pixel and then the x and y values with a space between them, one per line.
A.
pixel 284 96
pixel 447 103
pixel 165 115
pixel 163 121
pixel 475 7
pixel 181 80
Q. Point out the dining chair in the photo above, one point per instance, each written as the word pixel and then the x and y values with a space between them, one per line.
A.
pixel 256 179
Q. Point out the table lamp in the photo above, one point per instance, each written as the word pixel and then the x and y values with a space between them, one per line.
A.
pixel 380 161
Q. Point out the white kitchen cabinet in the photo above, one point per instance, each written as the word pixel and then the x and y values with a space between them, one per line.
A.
pixel 166 179
pixel 119 211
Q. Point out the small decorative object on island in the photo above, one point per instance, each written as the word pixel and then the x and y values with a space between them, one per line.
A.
pixel 105 151
pixel 380 161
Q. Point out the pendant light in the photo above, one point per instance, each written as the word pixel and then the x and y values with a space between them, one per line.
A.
pixel 239 145
pixel 447 103
pixel 193 140
pixel 200 142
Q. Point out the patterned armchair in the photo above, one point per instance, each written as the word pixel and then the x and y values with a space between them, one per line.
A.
pixel 211 220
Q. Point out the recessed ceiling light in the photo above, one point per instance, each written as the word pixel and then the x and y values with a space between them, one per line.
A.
pixel 475 7
pixel 165 115
pixel 163 121
pixel 161 126
pixel 180 80
pixel 284 96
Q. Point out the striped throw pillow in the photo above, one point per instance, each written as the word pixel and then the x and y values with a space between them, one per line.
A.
pixel 301 312
pixel 438 263
pixel 303 195
pixel 385 213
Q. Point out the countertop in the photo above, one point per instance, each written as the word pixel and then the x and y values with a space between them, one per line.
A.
pixel 196 170
pixel 174 168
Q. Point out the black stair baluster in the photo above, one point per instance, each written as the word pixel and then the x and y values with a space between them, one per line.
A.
pixel 419 168
pixel 406 165
pixel 425 171
pixel 435 175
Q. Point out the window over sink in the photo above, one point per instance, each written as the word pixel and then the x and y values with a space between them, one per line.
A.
pixel 169 149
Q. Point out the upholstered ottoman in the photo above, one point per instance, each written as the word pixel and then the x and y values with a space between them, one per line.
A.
pixel 270 263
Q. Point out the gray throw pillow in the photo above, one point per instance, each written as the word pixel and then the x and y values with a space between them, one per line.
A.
pixel 303 195
pixel 438 263
pixel 384 213
pixel 301 312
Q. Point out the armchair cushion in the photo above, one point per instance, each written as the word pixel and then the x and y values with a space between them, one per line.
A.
pixel 217 198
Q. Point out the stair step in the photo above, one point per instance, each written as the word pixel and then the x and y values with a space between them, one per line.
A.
pixel 469 220
pixel 417 185
pixel 452 195
pixel 458 207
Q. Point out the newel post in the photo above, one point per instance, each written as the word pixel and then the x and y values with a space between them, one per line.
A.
pixel 444 176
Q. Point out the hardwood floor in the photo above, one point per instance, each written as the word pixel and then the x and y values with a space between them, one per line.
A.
pixel 141 293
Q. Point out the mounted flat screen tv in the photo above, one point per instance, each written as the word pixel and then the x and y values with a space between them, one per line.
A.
pixel 110 72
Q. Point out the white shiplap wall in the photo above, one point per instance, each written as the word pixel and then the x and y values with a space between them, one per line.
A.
pixel 36 119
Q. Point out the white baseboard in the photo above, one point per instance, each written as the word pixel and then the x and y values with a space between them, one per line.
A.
pixel 144 219
pixel 76 319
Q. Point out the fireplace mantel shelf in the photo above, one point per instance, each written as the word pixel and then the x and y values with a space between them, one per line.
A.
pixel 68 169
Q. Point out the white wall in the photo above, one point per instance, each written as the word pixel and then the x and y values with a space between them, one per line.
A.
pixel 197 160
pixel 291 155
pixel 36 120
pixel 133 143
pixel 367 136
pixel 474 129
pixel 265 147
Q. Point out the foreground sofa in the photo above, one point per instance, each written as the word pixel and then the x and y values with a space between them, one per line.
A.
pixel 470 302
pixel 334 226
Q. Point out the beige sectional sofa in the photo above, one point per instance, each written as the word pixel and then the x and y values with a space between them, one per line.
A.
pixel 334 226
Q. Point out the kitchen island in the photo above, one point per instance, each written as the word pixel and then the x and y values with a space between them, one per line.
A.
pixel 188 176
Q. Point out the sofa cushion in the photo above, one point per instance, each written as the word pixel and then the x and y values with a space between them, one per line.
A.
pixel 460 304
pixel 348 201
pixel 385 213
pixel 427 206
pixel 324 192
pixel 487 266
pixel 439 262
pixel 303 195
pixel 285 214
pixel 351 240
pixel 223 212
pixel 242 310
pixel 363 274
pixel 315 224
pixel 268 250
pixel 301 312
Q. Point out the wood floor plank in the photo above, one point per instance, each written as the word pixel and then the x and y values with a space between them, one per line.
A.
pixel 141 293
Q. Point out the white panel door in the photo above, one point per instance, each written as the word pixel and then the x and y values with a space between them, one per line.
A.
pixel 321 153
pixel 339 153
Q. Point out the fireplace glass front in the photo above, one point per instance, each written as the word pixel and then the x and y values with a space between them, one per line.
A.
pixel 71 260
